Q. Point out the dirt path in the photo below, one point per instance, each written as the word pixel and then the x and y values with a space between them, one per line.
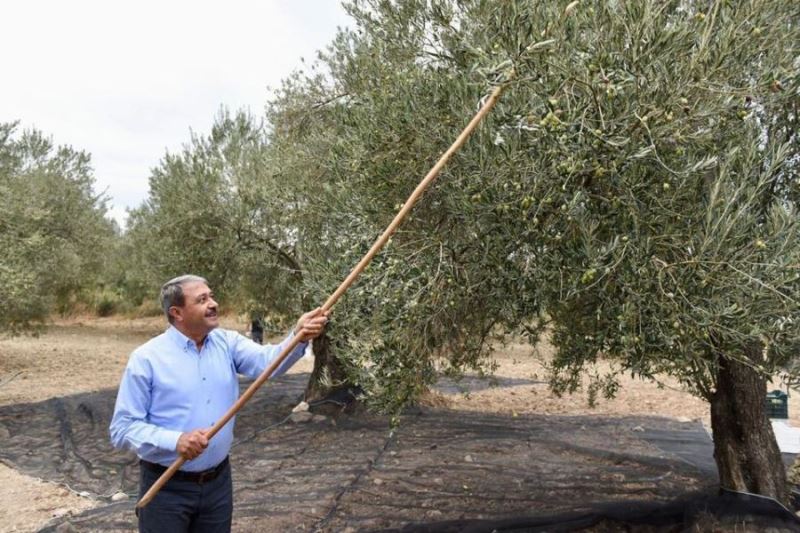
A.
pixel 521 388
pixel 82 356
pixel 27 503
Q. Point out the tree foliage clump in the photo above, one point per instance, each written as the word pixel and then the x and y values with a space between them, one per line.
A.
pixel 53 229
pixel 218 208
pixel 635 184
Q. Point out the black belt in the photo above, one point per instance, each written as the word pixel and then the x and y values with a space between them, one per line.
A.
pixel 195 477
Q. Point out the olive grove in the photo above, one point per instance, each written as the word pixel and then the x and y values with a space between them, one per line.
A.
pixel 634 194
pixel 53 230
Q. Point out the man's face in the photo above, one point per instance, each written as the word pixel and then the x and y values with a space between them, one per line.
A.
pixel 199 312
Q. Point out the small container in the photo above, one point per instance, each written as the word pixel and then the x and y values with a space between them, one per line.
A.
pixel 777 404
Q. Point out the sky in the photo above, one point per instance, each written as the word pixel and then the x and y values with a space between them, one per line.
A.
pixel 129 81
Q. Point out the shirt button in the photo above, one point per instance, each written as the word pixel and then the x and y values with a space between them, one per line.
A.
pixel 208 401
pixel 204 379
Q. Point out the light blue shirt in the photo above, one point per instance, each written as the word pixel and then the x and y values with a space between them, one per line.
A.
pixel 169 388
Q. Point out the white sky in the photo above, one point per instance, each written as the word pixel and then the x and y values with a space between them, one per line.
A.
pixel 126 81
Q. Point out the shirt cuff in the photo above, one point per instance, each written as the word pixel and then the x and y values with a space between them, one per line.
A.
pixel 292 335
pixel 168 439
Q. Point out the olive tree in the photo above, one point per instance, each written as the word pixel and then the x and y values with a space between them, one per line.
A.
pixel 634 193
pixel 53 229
pixel 215 208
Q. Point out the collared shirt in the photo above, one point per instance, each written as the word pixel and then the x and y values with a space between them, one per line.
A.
pixel 169 387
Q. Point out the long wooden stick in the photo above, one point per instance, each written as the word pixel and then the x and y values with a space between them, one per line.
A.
pixel 376 247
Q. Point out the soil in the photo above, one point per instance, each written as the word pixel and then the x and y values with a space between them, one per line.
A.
pixel 77 356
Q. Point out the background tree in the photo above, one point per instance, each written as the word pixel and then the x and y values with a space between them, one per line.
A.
pixel 52 228
pixel 215 209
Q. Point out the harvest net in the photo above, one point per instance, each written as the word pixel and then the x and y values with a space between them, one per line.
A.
pixel 441 470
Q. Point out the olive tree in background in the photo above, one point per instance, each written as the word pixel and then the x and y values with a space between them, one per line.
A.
pixel 216 209
pixel 52 228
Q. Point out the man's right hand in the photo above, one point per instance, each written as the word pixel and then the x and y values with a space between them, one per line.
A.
pixel 192 444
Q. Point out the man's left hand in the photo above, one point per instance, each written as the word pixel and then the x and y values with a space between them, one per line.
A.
pixel 312 324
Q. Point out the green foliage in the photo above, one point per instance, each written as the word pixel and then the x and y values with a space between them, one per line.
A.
pixel 52 227
pixel 106 303
pixel 635 185
pixel 218 209
pixel 634 191
pixel 665 232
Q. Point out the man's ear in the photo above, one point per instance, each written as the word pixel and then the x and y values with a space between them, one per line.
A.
pixel 175 313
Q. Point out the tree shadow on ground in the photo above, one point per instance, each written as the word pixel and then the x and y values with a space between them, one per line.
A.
pixel 468 384
pixel 355 472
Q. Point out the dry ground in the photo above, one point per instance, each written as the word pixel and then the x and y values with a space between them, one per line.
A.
pixel 74 356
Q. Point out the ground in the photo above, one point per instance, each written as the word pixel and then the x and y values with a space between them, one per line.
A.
pixel 76 356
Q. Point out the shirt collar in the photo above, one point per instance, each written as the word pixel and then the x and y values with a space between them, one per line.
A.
pixel 179 338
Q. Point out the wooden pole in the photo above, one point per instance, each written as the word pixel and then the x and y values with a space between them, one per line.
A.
pixel 373 251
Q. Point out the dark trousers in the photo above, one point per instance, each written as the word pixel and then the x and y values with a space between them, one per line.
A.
pixel 187 506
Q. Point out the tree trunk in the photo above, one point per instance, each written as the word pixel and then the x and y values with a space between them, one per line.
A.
pixel 327 379
pixel 745 449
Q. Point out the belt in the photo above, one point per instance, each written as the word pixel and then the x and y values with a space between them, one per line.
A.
pixel 195 477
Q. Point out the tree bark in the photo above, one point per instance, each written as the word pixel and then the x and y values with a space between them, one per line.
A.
pixel 327 378
pixel 747 454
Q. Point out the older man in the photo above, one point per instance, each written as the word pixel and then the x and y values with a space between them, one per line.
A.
pixel 174 388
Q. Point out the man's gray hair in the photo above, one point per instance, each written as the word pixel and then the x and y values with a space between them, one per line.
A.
pixel 172 292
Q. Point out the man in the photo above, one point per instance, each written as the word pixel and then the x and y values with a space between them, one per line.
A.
pixel 174 388
pixel 256 329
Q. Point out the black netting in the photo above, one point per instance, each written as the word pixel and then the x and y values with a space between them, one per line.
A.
pixel 700 512
pixel 442 470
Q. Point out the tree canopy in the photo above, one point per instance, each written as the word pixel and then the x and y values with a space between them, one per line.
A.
pixel 52 227
pixel 634 191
